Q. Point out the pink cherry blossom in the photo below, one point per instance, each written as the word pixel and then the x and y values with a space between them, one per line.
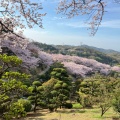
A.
pixel 32 57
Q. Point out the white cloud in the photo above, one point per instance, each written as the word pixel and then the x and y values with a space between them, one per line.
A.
pixel 111 24
pixel 74 24
pixel 104 24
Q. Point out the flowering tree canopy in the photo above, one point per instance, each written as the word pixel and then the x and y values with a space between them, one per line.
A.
pixel 28 52
pixel 33 57
pixel 22 13
pixel 14 14
pixel 94 8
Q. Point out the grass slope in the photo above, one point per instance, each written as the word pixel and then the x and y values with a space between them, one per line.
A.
pixel 72 114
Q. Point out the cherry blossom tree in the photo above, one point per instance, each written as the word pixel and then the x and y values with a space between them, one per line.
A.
pixel 33 57
pixel 116 68
pixel 19 14
pixel 76 69
pixel 82 66
pixel 22 13
pixel 28 52
pixel 95 9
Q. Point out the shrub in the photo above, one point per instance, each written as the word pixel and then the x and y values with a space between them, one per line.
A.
pixel 16 110
pixel 36 83
pixel 26 104
pixel 57 86
pixel 116 104
pixel 67 105
pixel 87 102
pixel 64 85
pixel 51 107
pixel 77 105
pixel 43 105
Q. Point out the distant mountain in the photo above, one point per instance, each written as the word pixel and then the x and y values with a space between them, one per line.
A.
pixel 107 51
pixel 101 55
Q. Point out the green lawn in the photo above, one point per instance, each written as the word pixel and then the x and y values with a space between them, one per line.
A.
pixel 72 114
pixel 76 106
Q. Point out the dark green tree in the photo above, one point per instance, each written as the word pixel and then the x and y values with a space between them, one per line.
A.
pixel 49 99
pixel 12 85
pixel 88 91
pixel 59 87
pixel 98 90
pixel 11 89
pixel 116 97
pixel 36 94
pixel 8 63
pixel 46 76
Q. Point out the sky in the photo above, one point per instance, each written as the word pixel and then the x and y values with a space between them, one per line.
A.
pixel 59 30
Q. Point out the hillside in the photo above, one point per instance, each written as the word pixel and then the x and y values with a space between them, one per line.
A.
pixel 107 51
pixel 101 55
pixel 35 59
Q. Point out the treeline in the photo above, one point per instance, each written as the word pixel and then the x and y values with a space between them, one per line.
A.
pixel 81 51
pixel 21 93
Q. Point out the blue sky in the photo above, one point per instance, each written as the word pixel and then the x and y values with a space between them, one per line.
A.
pixel 60 30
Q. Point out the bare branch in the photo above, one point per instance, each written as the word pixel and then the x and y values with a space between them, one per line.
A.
pixel 7 30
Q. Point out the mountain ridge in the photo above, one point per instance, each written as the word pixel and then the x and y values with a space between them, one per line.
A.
pixel 102 49
pixel 107 57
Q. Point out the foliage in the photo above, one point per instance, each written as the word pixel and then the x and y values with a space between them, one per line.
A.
pixel 12 85
pixel 98 90
pixel 106 93
pixel 85 100
pixel 57 89
pixel 59 73
pixel 16 110
pixel 10 91
pixel 50 101
pixel 81 51
pixel 46 48
pixel 68 105
pixel 26 104
pixel 116 101
pixel 77 105
pixel 46 76
pixel 36 94
pixel 8 62
pixel 82 67
pixel 63 85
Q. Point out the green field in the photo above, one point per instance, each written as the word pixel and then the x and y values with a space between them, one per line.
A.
pixel 72 114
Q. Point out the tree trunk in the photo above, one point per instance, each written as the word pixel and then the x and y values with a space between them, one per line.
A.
pixel 104 110
pixel 35 104
pixel 35 108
